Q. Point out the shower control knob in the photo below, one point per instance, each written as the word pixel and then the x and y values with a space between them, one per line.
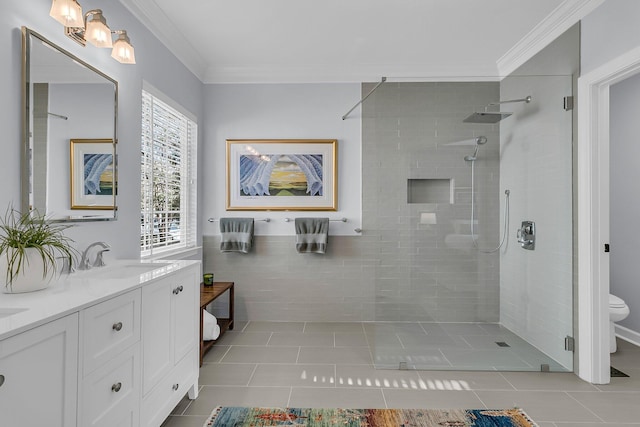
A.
pixel 526 235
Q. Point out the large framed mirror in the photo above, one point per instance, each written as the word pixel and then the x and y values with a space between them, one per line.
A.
pixel 65 100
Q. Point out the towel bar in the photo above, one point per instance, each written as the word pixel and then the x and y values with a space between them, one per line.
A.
pixel 331 220
pixel 265 220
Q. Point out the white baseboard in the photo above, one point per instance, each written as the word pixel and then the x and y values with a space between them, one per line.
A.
pixel 628 335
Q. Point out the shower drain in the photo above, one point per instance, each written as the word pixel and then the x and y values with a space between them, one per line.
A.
pixel 502 344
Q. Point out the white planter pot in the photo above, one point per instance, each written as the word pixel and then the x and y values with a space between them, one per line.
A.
pixel 30 278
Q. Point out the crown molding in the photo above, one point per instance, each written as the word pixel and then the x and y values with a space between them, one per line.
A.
pixel 556 23
pixel 332 74
pixel 164 30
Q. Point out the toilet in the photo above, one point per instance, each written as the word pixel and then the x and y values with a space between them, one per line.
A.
pixel 618 311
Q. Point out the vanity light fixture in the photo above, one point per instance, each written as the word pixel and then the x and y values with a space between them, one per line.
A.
pixel 96 30
pixel 92 27
pixel 122 49
pixel 67 12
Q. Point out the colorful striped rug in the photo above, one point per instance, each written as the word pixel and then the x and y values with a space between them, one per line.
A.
pixel 227 416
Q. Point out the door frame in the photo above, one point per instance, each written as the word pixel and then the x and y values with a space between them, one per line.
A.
pixel 593 213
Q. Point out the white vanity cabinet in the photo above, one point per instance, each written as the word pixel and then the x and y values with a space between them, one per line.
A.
pixel 38 375
pixel 170 346
pixel 110 362
pixel 118 352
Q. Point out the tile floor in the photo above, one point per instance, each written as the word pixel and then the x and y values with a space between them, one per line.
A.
pixel 330 365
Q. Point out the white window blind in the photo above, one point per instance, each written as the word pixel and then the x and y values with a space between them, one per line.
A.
pixel 168 178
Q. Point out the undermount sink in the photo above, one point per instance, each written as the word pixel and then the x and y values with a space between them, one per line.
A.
pixel 6 312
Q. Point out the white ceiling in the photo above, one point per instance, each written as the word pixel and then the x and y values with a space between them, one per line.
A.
pixel 354 40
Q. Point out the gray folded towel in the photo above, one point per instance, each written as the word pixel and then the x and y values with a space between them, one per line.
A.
pixel 312 235
pixel 236 234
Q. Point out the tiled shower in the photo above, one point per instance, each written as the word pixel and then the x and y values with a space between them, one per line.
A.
pixel 417 196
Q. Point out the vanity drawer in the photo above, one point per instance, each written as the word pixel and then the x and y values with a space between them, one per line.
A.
pixel 110 396
pixel 159 402
pixel 108 328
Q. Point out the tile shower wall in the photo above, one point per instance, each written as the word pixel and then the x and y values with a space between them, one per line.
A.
pixel 536 291
pixel 428 269
pixel 413 261
pixel 275 283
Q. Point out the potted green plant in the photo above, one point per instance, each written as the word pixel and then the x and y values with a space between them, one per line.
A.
pixel 31 248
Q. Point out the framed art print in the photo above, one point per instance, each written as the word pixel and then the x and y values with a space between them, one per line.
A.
pixel 93 183
pixel 282 174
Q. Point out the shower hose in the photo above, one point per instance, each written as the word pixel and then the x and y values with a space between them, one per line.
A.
pixel 506 215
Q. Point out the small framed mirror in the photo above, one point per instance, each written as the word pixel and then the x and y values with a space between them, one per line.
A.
pixel 65 101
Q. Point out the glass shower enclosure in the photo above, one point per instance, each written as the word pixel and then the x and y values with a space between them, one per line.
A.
pixel 473 218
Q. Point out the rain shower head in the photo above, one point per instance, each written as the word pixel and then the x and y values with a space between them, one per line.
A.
pixel 487 117
pixel 491 117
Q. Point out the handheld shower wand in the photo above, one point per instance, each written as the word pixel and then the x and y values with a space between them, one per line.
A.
pixel 481 140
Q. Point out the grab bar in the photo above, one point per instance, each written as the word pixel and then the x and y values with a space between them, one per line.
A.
pixel 332 220
pixel 264 219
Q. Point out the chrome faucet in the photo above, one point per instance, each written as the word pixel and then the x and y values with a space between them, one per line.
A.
pixel 99 261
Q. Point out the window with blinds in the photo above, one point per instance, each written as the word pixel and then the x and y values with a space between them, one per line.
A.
pixel 168 175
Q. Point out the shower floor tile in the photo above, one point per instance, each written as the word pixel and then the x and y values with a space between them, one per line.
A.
pixel 501 359
pixel 463 329
pixel 393 327
pixel 411 358
pixel 461 346
pixel 489 342
pixel 437 341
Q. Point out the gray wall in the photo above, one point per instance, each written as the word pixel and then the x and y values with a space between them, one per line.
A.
pixel 282 111
pixel 155 64
pixel 608 32
pixel 625 196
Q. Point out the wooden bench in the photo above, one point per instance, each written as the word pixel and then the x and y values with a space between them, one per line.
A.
pixel 208 294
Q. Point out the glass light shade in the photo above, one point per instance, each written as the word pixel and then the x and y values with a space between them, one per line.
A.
pixel 67 12
pixel 122 49
pixel 97 32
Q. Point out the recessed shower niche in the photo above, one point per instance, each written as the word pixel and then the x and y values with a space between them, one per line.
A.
pixel 430 190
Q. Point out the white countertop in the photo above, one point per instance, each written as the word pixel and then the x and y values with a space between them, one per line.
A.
pixel 73 292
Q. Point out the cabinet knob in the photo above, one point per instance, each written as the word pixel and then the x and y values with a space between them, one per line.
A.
pixel 1 380
pixel 180 288
pixel 117 326
pixel 176 386
pixel 116 387
pixel 177 290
